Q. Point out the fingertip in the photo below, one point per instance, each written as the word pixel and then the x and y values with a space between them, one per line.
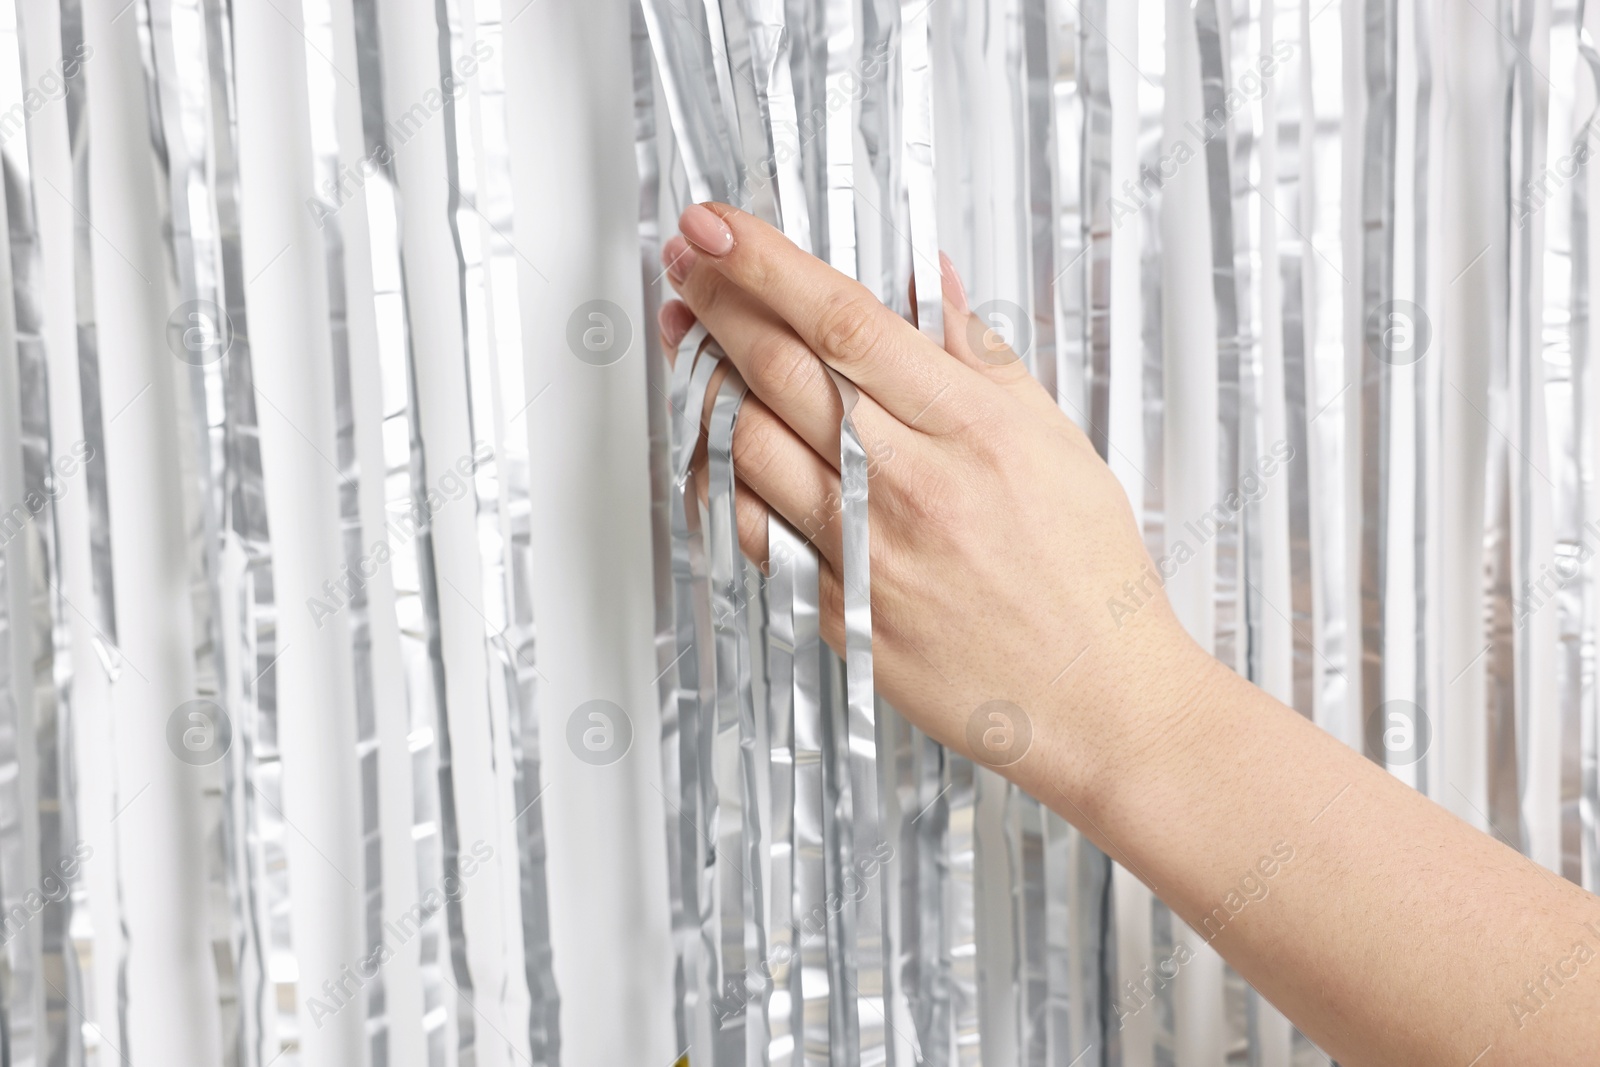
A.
pixel 706 230
pixel 676 320
pixel 955 293
pixel 678 258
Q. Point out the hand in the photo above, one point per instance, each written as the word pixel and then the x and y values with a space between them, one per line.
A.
pixel 998 535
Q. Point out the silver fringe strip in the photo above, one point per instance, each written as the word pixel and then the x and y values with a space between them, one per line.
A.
pixel 322 96
pixel 1568 391
pixel 434 829
pixel 498 400
pixel 63 959
pixel 75 44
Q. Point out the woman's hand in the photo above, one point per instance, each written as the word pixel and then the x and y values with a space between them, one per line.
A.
pixel 998 535
pixel 1387 929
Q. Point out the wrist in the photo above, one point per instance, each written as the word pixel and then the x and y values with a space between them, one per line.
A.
pixel 1130 715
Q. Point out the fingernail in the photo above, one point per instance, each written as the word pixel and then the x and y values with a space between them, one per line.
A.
pixel 675 319
pixel 954 291
pixel 708 232
pixel 678 258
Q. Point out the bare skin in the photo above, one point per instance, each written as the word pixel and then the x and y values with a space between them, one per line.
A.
pixel 1394 934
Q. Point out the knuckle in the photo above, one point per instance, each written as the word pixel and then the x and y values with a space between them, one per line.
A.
pixel 849 327
pixel 784 367
pixel 755 446
pixel 704 293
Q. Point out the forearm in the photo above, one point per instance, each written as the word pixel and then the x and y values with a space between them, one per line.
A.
pixel 1386 928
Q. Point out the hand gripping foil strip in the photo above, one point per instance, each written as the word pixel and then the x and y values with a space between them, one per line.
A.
pixel 189 75
pixel 1380 47
pixel 743 1036
pixel 1327 383
pixel 1569 390
pixel 478 171
pixel 1152 43
pixel 322 96
pixel 434 830
pixel 694 959
pixel 74 44
pixel 63 957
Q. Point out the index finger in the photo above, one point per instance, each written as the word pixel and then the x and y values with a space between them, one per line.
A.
pixel 851 330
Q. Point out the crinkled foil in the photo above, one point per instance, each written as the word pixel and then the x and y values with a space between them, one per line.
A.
pixel 434 829
pixel 1568 396
pixel 478 170
pixel 59 964
pixel 322 97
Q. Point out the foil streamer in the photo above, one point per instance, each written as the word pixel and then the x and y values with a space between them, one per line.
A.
pixel 742 1035
pixel 1328 386
pixel 434 830
pixel 1153 405
pixel 478 171
pixel 103 612
pixel 1505 505
pixel 1568 391
pixel 1425 385
pixel 814 1012
pixel 189 77
pixel 1244 425
pixel 62 960
pixel 694 973
pixel 1379 56
pixel 784 1021
pixel 322 97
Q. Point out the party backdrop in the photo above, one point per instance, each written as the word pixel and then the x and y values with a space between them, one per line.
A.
pixel 374 688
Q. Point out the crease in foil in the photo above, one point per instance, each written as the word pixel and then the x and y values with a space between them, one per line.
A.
pixel 742 1034
pixel 478 171
pixel 435 834
pixel 322 95
pixel 63 958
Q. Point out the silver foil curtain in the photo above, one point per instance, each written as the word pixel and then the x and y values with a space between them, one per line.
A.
pixel 376 687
